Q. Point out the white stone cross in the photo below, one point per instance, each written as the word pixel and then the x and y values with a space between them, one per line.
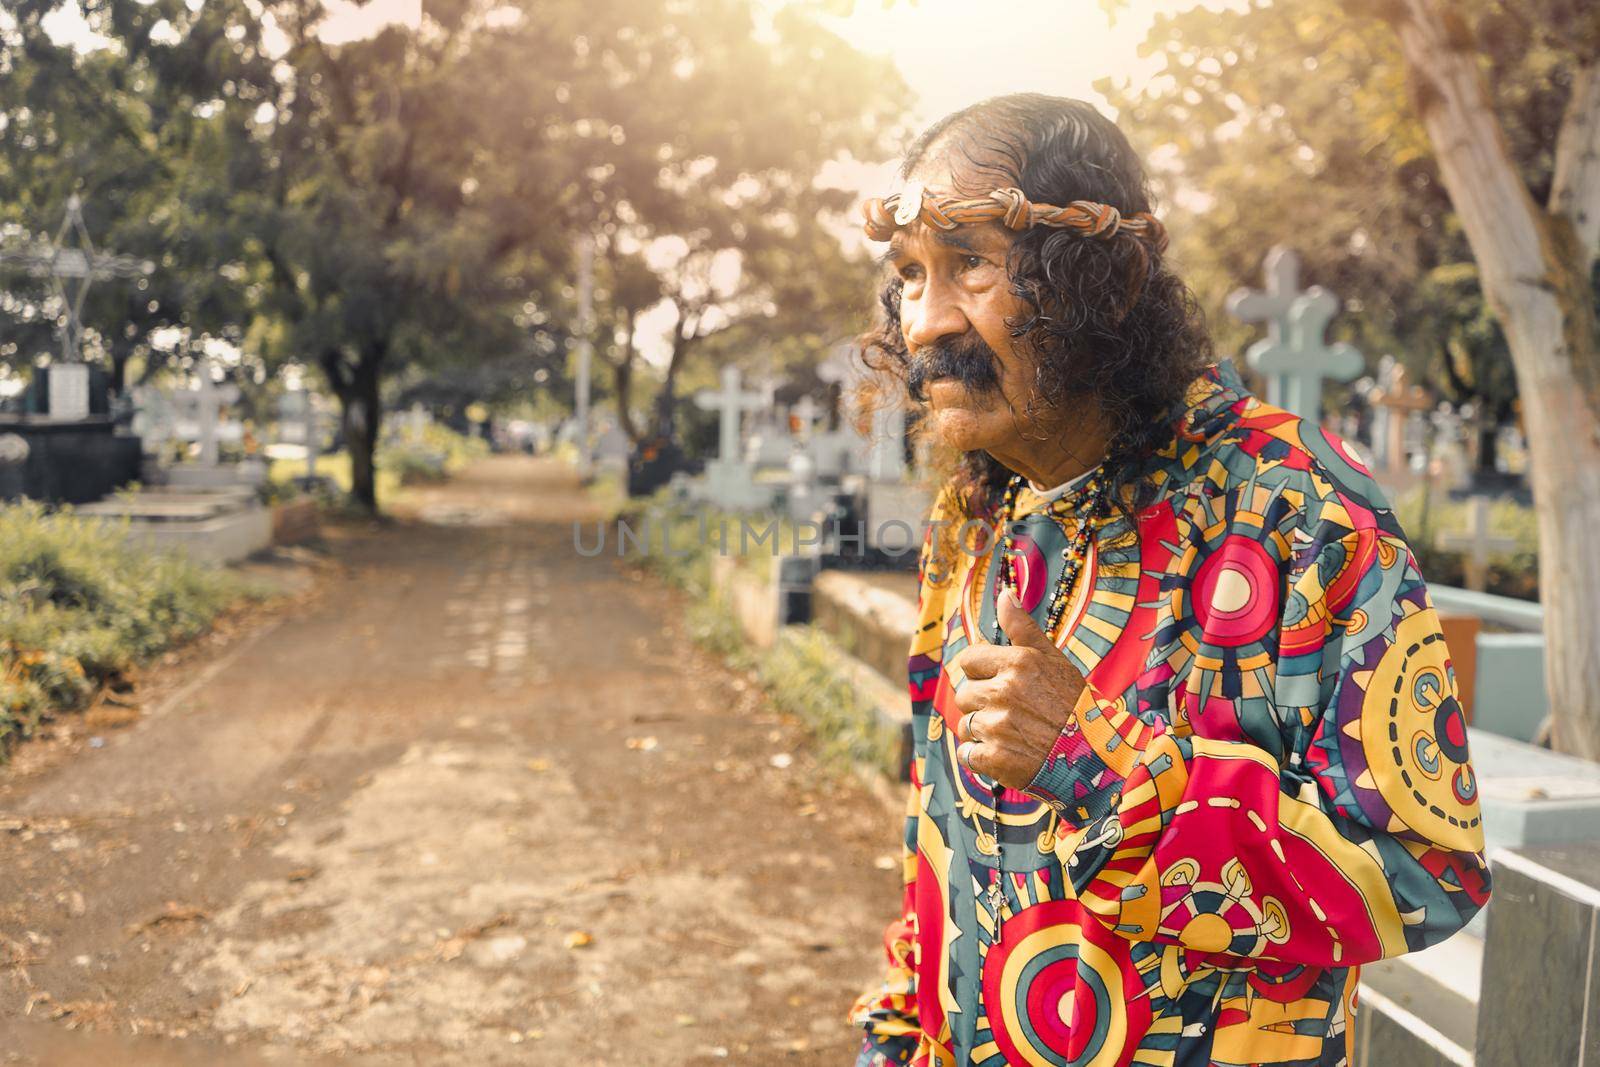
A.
pixel 886 458
pixel 1478 543
pixel 1294 356
pixel 730 403
pixel 210 399
pixel 808 411
pixel 313 436
pixel 76 265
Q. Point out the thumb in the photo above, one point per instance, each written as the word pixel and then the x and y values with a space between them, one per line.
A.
pixel 1019 626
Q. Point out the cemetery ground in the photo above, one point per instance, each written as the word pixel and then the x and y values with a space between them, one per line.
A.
pixel 472 799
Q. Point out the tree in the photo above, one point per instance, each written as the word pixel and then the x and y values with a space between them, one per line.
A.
pixel 126 131
pixel 405 209
pixel 1505 119
pixel 716 135
pixel 1535 248
pixel 1288 122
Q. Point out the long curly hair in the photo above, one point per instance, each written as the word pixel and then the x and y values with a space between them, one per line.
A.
pixel 1107 321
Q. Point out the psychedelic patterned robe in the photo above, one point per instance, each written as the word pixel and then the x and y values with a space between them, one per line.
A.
pixel 1264 785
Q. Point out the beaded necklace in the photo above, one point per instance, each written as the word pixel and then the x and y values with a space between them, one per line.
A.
pixel 1098 496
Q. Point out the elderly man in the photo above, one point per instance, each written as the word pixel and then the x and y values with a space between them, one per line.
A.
pixel 1188 749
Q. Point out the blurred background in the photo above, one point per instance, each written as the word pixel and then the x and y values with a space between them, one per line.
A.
pixel 426 431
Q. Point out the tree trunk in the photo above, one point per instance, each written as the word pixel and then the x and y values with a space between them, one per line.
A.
pixel 667 399
pixel 1535 268
pixel 361 417
pixel 1488 446
pixel 356 386
pixel 624 382
pixel 121 352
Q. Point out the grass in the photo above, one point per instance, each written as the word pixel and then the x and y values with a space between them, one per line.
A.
pixel 1423 516
pixel 800 673
pixel 334 467
pixel 399 461
pixel 79 607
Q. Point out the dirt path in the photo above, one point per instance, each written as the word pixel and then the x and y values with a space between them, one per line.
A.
pixel 381 829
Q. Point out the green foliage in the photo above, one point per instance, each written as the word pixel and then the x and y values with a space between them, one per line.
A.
pixel 432 456
pixel 281 475
pixel 407 208
pixel 1294 123
pixel 1424 515
pixel 78 607
pixel 801 675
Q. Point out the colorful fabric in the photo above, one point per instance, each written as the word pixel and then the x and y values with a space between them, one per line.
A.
pixel 1265 783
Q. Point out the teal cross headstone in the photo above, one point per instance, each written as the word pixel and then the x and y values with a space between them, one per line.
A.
pixel 1295 356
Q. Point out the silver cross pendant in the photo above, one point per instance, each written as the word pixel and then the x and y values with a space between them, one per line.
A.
pixel 997 900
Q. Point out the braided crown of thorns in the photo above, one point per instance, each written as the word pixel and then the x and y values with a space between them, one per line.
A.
pixel 885 215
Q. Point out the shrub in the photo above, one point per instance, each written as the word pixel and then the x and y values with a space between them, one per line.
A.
pixel 429 456
pixel 79 606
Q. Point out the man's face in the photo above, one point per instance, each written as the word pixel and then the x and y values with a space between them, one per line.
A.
pixel 953 312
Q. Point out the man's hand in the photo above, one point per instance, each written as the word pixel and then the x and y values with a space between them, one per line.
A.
pixel 1016 700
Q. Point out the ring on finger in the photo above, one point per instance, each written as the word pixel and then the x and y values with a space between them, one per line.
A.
pixel 966 726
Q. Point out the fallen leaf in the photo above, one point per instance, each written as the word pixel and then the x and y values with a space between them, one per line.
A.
pixel 642 744
pixel 579 939
pixel 172 913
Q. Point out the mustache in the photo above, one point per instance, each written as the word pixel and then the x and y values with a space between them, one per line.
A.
pixel 966 359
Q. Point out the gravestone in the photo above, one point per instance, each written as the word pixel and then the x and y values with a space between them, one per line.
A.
pixel 210 400
pixel 1398 408
pixel 804 415
pixel 13 455
pixel 302 435
pixel 207 510
pixel 805 494
pixel 68 391
pixel 612 448
pixel 1477 543
pixel 73 264
pixel 1295 356
pixel 198 418
pixel 730 481
pixel 1451 465
pixel 886 449
pixel 768 445
pixel 155 417
pixel 75 453
pixel 1511 451
pixel 1540 1000
pixel 896 506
